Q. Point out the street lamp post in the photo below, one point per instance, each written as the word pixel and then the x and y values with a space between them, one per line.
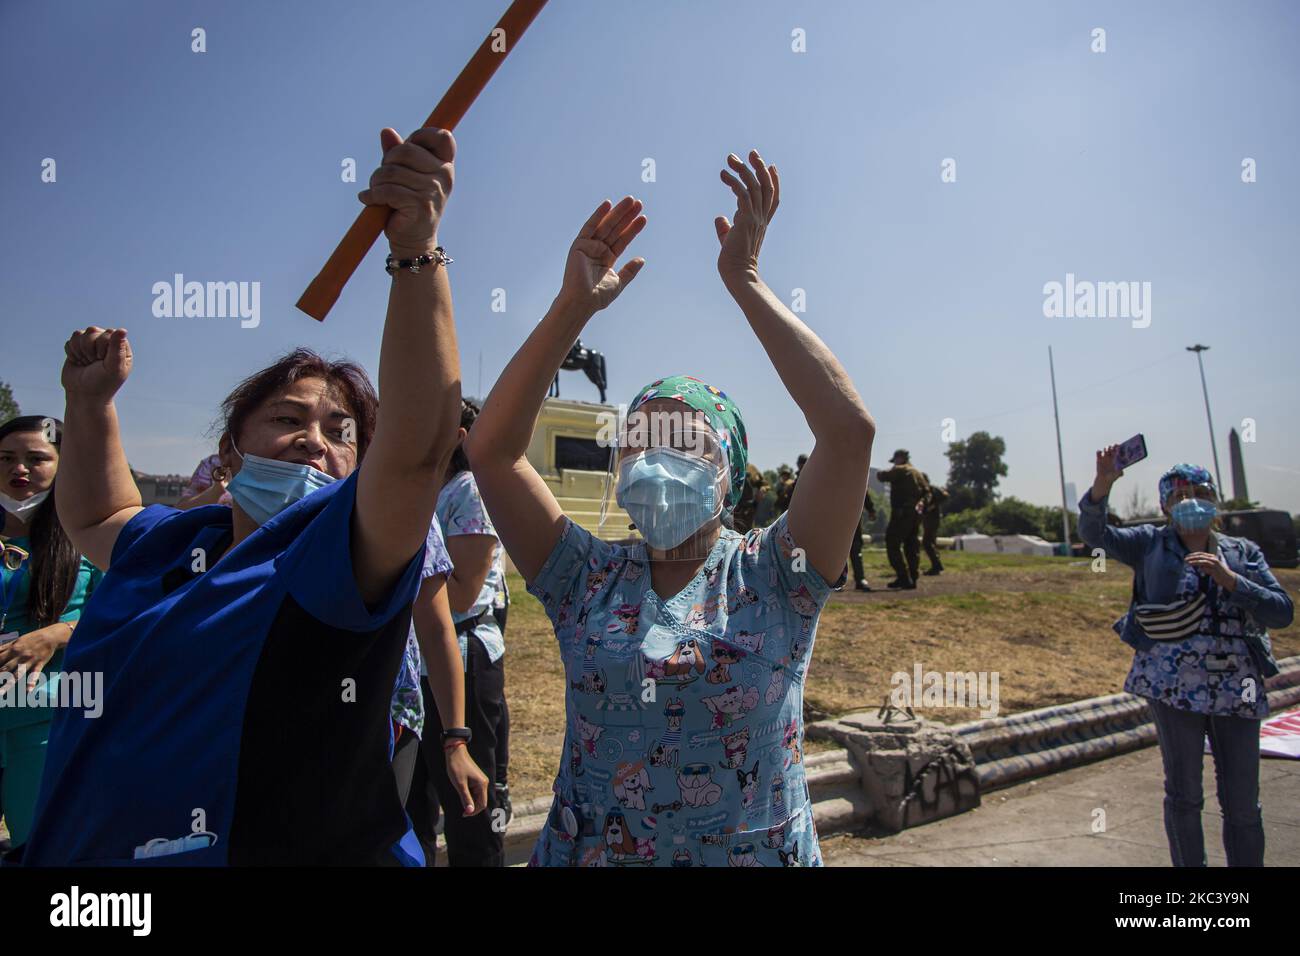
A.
pixel 1214 447
pixel 1060 459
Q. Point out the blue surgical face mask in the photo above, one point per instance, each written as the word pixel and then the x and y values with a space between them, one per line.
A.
pixel 669 494
pixel 1193 514
pixel 264 486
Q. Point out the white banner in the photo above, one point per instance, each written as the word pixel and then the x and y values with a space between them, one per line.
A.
pixel 1279 736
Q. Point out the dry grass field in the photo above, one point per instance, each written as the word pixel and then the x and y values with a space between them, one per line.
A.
pixel 1043 624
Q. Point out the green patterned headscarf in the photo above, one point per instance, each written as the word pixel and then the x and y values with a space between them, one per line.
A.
pixel 720 413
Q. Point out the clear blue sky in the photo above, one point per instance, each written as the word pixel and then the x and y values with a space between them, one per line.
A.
pixel 1115 166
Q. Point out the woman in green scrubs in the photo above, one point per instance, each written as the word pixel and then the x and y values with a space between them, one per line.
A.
pixel 44 583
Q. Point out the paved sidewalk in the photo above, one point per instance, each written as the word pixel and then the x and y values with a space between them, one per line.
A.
pixel 1049 821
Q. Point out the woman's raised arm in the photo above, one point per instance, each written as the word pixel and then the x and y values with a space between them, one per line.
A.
pixel 419 367
pixel 525 513
pixel 1124 544
pixel 95 495
pixel 823 514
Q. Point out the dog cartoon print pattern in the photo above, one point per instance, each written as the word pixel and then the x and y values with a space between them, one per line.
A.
pixel 684 730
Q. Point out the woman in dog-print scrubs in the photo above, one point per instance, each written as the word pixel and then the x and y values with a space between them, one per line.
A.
pixel 685 654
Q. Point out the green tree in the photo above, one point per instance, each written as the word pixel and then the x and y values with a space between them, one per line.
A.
pixel 1013 516
pixel 1051 529
pixel 1009 516
pixel 877 528
pixel 8 405
pixel 965 521
pixel 974 467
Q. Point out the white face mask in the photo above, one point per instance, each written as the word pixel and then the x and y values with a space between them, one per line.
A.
pixel 24 510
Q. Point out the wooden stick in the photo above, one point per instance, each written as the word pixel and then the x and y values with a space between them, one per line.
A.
pixel 324 290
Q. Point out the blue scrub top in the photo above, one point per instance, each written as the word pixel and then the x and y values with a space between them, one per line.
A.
pixel 245 710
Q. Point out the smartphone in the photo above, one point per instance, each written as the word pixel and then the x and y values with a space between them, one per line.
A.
pixel 1132 451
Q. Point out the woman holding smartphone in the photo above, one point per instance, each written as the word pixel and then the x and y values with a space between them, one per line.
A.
pixel 1201 604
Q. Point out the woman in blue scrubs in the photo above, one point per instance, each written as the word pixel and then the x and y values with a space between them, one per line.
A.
pixel 249 653
pixel 44 584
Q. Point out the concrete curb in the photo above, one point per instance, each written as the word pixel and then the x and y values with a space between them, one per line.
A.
pixel 1010 749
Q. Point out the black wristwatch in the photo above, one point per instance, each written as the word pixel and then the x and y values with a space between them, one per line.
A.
pixel 457 733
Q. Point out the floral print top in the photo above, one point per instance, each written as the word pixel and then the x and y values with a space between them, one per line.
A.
pixel 408 703
pixel 202 480
pixel 683 744
pixel 1210 672
pixel 461 511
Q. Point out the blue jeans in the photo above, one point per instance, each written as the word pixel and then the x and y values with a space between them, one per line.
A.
pixel 1235 745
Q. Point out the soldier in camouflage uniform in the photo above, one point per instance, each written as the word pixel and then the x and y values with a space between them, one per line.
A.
pixel 908 491
pixel 742 518
pixel 930 526
pixel 855 549
pixel 784 489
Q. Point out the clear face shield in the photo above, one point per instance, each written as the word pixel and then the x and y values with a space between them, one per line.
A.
pixel 1184 490
pixel 671 476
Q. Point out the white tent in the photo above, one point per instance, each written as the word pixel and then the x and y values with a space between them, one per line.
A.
pixel 1003 544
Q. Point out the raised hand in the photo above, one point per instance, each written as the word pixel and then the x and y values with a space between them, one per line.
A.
pixel 97 364
pixel 758 193
pixel 414 180
pixel 1108 471
pixel 590 281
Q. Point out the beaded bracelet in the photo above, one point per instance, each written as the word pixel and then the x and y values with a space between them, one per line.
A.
pixel 391 265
